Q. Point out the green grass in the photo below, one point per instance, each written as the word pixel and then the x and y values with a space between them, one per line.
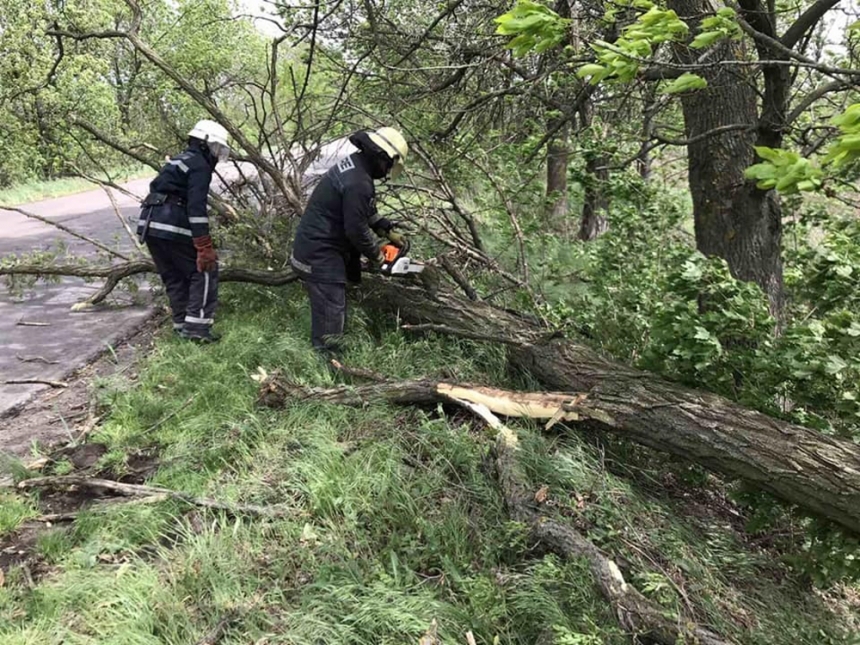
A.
pixel 35 191
pixel 393 519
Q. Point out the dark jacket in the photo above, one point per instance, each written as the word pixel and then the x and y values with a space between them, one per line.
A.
pixel 336 227
pixel 176 205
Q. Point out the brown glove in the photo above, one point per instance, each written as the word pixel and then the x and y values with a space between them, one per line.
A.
pixel 207 259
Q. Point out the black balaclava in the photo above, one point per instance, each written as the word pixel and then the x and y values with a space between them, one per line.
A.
pixel 203 147
pixel 378 160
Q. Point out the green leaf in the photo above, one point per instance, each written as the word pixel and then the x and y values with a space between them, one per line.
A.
pixel 768 154
pixel 835 364
pixel 591 69
pixel 707 38
pixel 702 334
pixel 686 83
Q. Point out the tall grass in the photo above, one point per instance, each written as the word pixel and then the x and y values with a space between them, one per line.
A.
pixel 393 519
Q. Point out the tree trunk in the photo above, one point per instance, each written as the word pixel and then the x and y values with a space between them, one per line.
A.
pixel 801 466
pixel 643 160
pixel 556 175
pixel 733 219
pixel 814 471
pixel 593 223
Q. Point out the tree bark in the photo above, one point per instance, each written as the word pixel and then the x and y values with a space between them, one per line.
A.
pixel 816 472
pixel 557 155
pixel 593 221
pixel 734 220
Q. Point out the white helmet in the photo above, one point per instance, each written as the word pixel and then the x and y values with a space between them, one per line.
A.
pixel 215 135
pixel 394 144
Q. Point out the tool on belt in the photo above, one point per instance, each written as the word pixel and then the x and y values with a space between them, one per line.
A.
pixel 152 200
pixel 396 261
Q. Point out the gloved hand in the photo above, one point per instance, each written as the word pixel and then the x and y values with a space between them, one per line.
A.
pixel 378 260
pixel 397 239
pixel 207 258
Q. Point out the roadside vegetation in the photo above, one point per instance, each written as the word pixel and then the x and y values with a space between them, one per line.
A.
pixel 389 517
pixel 27 192
pixel 670 185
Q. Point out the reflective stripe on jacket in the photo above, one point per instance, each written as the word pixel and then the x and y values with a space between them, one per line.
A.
pixel 185 180
pixel 335 228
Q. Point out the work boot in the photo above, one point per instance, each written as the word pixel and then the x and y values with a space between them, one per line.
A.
pixel 202 337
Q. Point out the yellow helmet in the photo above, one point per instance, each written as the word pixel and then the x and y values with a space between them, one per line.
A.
pixel 394 145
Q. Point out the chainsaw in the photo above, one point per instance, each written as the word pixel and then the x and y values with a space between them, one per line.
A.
pixel 396 261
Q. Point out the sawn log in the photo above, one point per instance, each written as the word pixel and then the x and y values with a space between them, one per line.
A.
pixel 818 473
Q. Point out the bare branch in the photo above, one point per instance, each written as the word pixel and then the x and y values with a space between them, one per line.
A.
pixel 808 19
pixel 812 97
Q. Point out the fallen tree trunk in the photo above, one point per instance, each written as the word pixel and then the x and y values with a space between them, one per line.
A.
pixel 636 614
pixel 549 406
pixel 818 473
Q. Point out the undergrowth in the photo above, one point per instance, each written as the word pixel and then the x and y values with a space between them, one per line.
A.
pixel 393 519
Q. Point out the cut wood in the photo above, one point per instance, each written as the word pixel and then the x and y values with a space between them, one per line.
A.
pixel 550 406
pixel 635 613
pixel 817 472
pixel 136 490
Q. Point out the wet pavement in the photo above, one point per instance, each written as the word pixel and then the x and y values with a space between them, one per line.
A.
pixel 62 340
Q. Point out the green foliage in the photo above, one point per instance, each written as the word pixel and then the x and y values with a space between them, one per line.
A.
pixel 789 173
pixel 535 27
pixel 785 171
pixel 846 149
pixel 686 82
pixel 620 61
pixel 709 328
pixel 716 28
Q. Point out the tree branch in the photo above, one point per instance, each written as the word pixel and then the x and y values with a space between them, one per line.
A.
pixel 812 97
pixel 807 20
pixel 67 230
pixel 136 490
pixel 114 274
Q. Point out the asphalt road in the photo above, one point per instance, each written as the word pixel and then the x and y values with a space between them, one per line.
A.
pixel 65 340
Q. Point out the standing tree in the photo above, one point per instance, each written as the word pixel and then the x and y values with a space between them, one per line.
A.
pixel 734 68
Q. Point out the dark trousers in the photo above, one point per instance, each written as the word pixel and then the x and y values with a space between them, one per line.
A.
pixel 328 315
pixel 193 295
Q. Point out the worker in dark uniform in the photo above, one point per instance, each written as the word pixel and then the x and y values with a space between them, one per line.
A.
pixel 337 228
pixel 175 227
